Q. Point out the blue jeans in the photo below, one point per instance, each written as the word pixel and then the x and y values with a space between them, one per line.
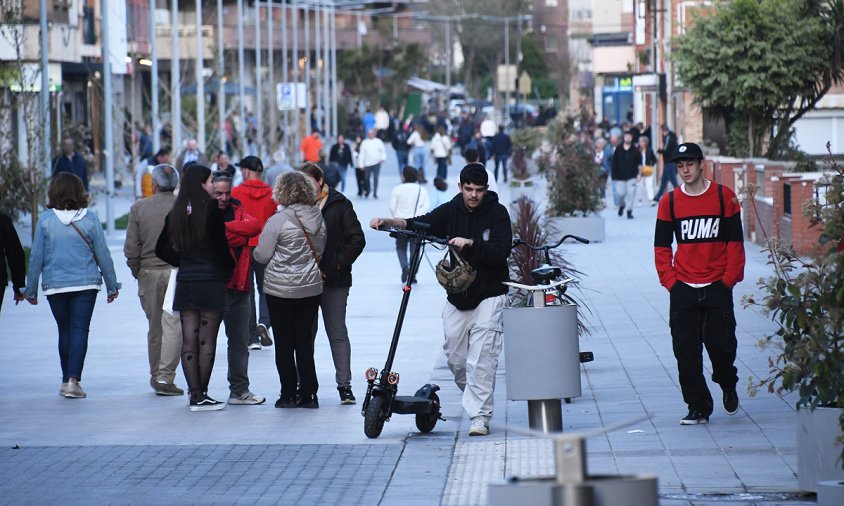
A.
pixel 72 311
pixel 442 168
pixel 401 158
pixel 419 158
pixel 669 174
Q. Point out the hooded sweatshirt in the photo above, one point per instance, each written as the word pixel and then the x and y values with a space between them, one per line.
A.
pixel 490 230
pixel 292 270
pixel 257 200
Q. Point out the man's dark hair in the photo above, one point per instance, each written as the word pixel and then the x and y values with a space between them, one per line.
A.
pixel 474 173
pixel 471 155
pixel 162 152
pixel 409 174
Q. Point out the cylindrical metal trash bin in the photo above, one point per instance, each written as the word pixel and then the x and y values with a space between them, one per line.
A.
pixel 542 353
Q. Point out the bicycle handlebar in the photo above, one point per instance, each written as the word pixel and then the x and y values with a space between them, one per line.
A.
pixel 518 242
pixel 414 234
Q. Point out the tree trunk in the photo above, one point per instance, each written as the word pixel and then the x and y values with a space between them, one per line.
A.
pixel 750 137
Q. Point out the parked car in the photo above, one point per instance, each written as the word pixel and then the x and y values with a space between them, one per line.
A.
pixel 522 115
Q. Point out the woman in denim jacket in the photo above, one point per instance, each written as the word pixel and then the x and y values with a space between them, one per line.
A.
pixel 71 258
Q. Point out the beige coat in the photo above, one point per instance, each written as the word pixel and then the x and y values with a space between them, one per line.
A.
pixel 292 271
pixel 146 219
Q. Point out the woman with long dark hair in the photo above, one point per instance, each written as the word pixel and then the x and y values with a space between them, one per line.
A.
pixel 71 258
pixel 194 240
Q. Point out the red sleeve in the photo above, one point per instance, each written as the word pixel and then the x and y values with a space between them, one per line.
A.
pixel 663 239
pixel 734 235
pixel 239 231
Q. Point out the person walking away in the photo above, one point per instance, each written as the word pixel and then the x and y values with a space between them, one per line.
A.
pixel 441 151
pixel 502 148
pixel 11 253
pixel 372 155
pixel 606 164
pixel 194 240
pixel 441 195
pixel 71 259
pixel 71 161
pixel 705 218
pixel 291 244
pixel 310 146
pixel 625 174
pixel 408 200
pixel 669 170
pixel 399 142
pixel 240 227
pixel 191 154
pixel 256 197
pixel 164 333
pixel 344 244
pixel 647 168
pixel 340 156
pixel 471 155
pixel 480 230
pixel 417 141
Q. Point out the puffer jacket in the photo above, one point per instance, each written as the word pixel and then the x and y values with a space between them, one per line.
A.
pixel 292 272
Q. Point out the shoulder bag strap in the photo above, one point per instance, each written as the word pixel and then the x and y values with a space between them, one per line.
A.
pixel 310 244
pixel 90 246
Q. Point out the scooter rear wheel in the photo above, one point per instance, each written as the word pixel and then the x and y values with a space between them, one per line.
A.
pixel 426 422
pixel 374 418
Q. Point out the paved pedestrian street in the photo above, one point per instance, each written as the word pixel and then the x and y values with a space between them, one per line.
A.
pixel 124 445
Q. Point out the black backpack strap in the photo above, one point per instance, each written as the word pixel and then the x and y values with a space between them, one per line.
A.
pixel 671 203
pixel 721 198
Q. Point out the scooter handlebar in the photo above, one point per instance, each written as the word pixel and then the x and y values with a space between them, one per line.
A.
pixel 417 233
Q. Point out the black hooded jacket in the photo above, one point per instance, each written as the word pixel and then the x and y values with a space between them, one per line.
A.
pixel 345 240
pixel 490 230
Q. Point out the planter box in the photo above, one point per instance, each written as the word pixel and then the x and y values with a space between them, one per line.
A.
pixel 817 450
pixel 588 227
pixel 830 493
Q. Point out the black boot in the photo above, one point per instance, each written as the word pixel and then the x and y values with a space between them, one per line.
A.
pixel 621 211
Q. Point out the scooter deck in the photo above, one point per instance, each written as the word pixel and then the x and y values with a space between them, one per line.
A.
pixel 410 405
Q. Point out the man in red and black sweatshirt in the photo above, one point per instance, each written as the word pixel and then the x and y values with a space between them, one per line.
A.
pixel 240 228
pixel 705 217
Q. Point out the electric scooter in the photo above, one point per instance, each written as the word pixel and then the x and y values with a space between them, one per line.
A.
pixel 381 400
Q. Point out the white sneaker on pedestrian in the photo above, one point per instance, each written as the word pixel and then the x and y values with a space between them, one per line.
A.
pixel 480 426
pixel 63 389
pixel 254 346
pixel 247 398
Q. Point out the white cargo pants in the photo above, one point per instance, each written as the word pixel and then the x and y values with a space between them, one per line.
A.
pixel 472 346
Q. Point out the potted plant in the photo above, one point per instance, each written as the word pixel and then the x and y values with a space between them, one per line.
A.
pixel 525 142
pixel 531 226
pixel 574 182
pixel 805 297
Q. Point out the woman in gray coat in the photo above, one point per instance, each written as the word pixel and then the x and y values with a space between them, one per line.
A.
pixel 291 245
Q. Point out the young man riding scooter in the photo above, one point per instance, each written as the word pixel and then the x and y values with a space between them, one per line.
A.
pixel 480 232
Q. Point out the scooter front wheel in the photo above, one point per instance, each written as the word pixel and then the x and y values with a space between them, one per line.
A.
pixel 426 422
pixel 374 418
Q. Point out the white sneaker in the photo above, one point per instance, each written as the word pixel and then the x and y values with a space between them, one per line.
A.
pixel 480 426
pixel 254 346
pixel 246 398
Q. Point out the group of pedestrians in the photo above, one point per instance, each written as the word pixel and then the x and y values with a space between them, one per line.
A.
pixel 629 161
pixel 195 255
